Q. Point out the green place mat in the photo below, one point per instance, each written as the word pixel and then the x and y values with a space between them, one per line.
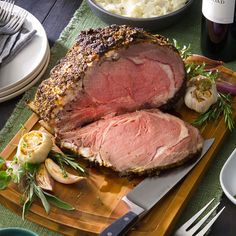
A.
pixel 186 31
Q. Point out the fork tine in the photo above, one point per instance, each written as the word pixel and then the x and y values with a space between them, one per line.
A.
pixel 186 225
pixel 3 9
pixel 201 222
pixel 11 6
pixel 20 17
pixel 210 223
pixel 20 21
pixel 16 17
pixel 6 12
pixel 12 21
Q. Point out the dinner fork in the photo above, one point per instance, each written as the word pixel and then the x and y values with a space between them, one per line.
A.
pixel 14 24
pixel 188 229
pixel 6 11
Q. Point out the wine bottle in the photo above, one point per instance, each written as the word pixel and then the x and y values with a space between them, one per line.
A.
pixel 218 29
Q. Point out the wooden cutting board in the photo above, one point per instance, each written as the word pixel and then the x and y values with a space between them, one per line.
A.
pixel 98 199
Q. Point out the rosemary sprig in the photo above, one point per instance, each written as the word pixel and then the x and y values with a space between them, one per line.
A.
pixel 223 106
pixel 69 160
pixel 194 70
pixel 185 51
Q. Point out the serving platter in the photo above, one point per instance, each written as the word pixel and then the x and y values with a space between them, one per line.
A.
pixel 98 199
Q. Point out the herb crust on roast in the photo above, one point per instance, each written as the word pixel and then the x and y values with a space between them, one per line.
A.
pixel 96 46
pixel 99 99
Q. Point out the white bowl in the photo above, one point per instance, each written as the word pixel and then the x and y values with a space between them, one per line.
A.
pixel 228 177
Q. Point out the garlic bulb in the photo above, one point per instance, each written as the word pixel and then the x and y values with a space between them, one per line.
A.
pixel 61 176
pixel 34 147
pixel 200 94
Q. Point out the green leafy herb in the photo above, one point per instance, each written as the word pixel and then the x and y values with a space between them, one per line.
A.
pixel 16 172
pixel 31 168
pixel 194 70
pixel 58 202
pixel 32 189
pixel 26 207
pixel 27 204
pixel 67 159
pixel 4 179
pixel 223 106
pixel 2 162
pixel 64 173
pixel 39 192
pixel 185 51
pixel 25 174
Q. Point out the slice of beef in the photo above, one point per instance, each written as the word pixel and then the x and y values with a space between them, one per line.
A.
pixel 110 71
pixel 138 142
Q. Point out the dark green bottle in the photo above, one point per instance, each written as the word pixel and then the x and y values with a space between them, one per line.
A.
pixel 218 29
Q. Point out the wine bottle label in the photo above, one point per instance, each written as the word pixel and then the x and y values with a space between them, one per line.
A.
pixel 219 11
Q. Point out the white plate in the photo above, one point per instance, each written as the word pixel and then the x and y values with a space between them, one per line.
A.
pixel 228 177
pixel 28 86
pixel 28 59
pixel 28 79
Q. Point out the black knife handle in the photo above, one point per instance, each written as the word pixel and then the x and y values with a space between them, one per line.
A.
pixel 121 226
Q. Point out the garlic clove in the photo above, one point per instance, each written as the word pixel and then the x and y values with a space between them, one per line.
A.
pixel 59 175
pixel 43 178
pixel 34 147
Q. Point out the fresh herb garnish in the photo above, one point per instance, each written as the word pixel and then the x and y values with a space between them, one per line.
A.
pixel 4 179
pixel 2 162
pixel 194 70
pixel 223 106
pixel 184 51
pixel 68 159
pixel 58 202
pixel 24 174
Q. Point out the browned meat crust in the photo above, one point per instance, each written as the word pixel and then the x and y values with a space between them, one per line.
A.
pixel 65 78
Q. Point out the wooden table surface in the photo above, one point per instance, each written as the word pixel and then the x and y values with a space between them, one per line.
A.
pixel 54 20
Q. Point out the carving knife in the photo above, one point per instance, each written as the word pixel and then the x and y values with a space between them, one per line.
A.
pixel 147 193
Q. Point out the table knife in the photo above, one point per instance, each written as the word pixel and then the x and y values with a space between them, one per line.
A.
pixel 146 194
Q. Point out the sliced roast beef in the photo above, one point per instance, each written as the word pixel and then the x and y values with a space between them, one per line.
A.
pixel 110 71
pixel 137 142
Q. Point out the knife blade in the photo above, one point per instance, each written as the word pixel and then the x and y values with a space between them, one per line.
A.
pixel 146 194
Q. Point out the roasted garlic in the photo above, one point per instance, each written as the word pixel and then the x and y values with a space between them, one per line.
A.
pixel 201 93
pixel 34 147
pixel 60 175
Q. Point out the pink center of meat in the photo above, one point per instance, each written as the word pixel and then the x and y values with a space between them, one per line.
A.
pixel 128 83
pixel 137 141
pixel 124 80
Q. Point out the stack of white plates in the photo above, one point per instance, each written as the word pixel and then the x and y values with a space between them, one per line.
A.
pixel 28 66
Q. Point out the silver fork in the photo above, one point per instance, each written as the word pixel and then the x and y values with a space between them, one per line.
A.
pixel 187 229
pixel 6 11
pixel 14 24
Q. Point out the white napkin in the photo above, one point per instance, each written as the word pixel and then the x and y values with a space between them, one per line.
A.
pixel 11 45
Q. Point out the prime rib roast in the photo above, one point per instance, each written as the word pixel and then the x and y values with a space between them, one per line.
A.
pixel 137 142
pixel 92 94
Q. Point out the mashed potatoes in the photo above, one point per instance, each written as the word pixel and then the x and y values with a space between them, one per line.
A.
pixel 141 8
